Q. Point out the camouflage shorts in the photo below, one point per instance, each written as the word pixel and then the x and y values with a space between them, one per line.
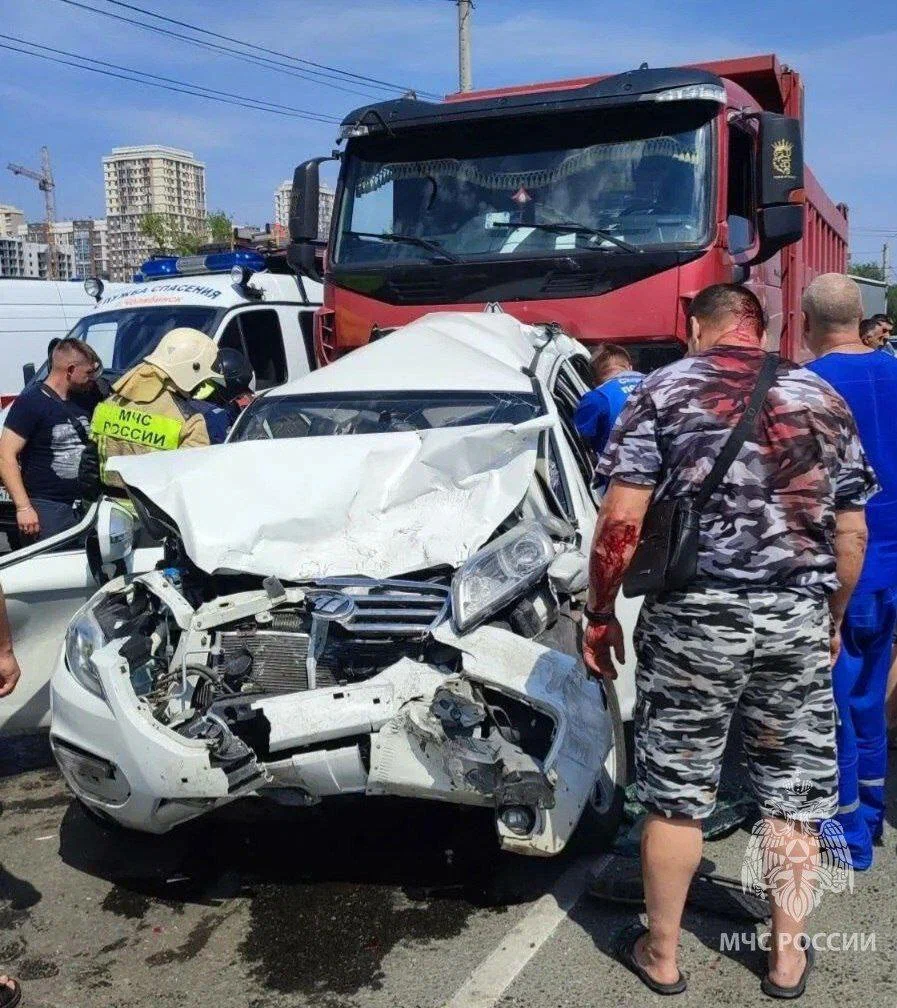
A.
pixel 702 655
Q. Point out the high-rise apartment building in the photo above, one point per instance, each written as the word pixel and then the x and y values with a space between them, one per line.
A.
pixel 85 238
pixel 282 196
pixel 22 258
pixel 11 219
pixel 142 180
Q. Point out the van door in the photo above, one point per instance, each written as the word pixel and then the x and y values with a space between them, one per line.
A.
pixel 271 339
pixel 45 584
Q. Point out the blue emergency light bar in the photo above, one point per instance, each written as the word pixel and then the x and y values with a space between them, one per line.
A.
pixel 192 265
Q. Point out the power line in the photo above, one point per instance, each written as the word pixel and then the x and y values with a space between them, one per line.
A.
pixel 186 89
pixel 252 45
pixel 244 57
pixel 274 106
pixel 318 73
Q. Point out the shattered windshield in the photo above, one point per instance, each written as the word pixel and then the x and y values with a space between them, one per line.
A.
pixel 325 415
pixel 614 182
pixel 127 335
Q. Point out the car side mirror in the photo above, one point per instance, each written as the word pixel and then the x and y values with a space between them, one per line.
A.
pixel 780 183
pixel 116 531
pixel 28 372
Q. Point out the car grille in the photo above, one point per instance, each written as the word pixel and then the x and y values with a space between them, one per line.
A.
pixel 389 617
pixel 392 608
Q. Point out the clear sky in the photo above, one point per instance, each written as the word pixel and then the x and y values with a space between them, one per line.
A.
pixel 845 53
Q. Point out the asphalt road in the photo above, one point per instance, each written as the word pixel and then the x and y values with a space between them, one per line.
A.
pixel 381 903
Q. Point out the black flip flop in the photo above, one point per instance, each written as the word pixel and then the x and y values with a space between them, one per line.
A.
pixel 10 996
pixel 773 990
pixel 625 950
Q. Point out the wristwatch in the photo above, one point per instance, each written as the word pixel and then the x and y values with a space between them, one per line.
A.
pixel 598 617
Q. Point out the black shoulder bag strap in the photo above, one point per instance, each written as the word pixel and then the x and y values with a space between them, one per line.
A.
pixel 739 434
pixel 666 557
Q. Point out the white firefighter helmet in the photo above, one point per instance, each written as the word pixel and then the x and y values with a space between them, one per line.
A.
pixel 188 357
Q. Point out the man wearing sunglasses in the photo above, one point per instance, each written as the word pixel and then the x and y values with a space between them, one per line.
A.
pixel 43 440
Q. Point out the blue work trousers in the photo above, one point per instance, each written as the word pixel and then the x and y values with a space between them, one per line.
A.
pixel 859 680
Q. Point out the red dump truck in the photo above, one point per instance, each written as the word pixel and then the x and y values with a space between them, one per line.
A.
pixel 602 204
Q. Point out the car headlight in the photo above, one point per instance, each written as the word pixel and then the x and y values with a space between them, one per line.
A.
pixel 499 573
pixel 83 637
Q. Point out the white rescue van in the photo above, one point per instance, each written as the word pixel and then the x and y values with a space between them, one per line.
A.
pixel 242 299
pixel 33 312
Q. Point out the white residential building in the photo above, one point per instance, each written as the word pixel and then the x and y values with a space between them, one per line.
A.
pixel 11 219
pixel 86 238
pixel 282 196
pixel 142 180
pixel 22 258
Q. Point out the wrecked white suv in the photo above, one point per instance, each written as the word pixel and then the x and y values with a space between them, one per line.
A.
pixel 373 588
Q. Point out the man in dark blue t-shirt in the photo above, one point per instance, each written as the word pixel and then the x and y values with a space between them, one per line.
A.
pixel 616 380
pixel 867 380
pixel 43 439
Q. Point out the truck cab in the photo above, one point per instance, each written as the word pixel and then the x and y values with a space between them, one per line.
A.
pixel 242 299
pixel 603 204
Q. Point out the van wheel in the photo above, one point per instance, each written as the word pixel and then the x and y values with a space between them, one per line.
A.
pixel 603 812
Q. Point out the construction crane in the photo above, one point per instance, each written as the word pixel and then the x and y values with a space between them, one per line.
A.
pixel 47 186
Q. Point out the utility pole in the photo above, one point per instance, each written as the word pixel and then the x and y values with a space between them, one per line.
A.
pixel 465 79
pixel 885 265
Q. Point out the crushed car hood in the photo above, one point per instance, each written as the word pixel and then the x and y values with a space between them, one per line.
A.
pixel 375 505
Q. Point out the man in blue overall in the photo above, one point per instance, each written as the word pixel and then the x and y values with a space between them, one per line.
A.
pixel 867 380
pixel 615 379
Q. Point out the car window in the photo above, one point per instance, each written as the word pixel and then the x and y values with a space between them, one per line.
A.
pixel 324 415
pixel 567 392
pixel 263 345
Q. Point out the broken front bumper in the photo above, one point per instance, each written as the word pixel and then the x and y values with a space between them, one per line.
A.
pixel 117 758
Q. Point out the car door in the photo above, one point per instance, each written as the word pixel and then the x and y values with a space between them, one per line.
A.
pixel 577 461
pixel 45 584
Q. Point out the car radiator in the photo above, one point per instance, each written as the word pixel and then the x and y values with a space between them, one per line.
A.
pixel 389 620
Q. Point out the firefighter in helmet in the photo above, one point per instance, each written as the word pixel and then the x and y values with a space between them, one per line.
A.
pixel 150 408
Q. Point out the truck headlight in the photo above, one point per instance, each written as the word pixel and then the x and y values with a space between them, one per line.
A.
pixel 83 637
pixel 499 573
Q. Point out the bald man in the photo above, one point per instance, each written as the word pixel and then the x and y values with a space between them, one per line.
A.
pixel 867 379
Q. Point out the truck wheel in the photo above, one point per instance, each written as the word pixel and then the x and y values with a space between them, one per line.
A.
pixel 603 812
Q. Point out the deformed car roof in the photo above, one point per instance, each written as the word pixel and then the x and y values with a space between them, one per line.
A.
pixel 443 351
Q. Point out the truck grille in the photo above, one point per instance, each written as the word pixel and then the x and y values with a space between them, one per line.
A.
pixel 388 617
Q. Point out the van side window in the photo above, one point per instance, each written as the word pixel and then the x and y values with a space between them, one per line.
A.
pixel 257 334
pixel 740 209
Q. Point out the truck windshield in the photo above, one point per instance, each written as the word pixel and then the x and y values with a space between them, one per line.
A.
pixel 124 336
pixel 380 413
pixel 618 181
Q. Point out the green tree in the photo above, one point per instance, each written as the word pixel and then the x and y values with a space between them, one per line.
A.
pixel 221 227
pixel 183 242
pixel 891 298
pixel 869 270
pixel 155 227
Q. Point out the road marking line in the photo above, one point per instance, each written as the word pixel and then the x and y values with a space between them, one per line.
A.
pixel 487 982
pixel 49 836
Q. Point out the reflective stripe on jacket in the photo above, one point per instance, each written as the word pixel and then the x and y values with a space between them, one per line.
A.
pixel 144 413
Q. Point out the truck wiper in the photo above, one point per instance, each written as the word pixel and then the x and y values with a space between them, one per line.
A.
pixel 424 243
pixel 569 226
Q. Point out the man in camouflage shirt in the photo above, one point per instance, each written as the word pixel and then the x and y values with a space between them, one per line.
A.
pixel 781 546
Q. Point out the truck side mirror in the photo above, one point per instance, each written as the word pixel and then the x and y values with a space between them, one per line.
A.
pixel 304 201
pixel 780 183
pixel 28 372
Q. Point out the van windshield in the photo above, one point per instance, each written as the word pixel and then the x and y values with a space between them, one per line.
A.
pixel 125 336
